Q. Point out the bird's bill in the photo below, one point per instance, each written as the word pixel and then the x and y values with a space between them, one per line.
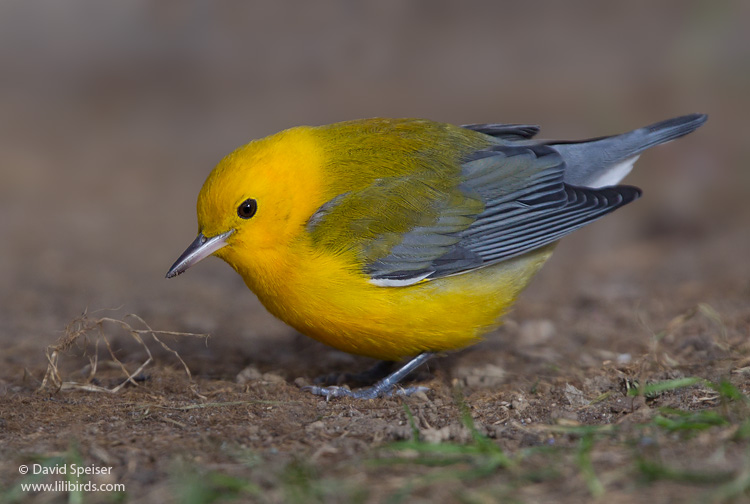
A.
pixel 201 248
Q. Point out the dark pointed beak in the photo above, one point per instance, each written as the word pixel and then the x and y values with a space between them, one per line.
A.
pixel 201 248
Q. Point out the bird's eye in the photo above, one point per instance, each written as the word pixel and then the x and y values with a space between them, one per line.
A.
pixel 247 208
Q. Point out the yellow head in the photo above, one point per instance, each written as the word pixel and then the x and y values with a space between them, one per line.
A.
pixel 257 200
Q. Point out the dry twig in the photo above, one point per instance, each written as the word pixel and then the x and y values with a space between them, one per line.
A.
pixel 79 331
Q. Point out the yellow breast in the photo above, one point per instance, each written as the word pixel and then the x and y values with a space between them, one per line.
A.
pixel 327 298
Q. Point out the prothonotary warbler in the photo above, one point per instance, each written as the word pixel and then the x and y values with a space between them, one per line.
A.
pixel 402 238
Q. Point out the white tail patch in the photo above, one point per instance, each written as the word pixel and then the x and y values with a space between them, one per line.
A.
pixel 614 174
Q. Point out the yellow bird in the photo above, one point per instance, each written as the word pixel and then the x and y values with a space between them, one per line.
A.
pixel 396 238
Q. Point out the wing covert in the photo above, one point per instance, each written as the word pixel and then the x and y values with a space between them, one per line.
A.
pixel 506 201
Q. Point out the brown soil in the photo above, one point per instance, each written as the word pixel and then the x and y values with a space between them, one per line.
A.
pixel 100 169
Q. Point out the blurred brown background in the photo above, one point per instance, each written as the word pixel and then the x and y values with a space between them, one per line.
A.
pixel 113 113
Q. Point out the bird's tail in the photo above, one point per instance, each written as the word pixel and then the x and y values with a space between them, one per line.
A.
pixel 605 161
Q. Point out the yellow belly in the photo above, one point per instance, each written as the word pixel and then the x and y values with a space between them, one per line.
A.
pixel 330 302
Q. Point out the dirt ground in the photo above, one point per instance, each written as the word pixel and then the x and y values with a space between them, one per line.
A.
pixel 623 372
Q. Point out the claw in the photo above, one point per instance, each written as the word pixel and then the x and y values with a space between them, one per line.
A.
pixel 364 393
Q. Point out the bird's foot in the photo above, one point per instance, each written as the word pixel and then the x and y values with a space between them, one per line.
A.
pixel 384 388
pixel 364 393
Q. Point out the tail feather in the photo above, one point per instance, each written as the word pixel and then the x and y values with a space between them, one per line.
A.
pixel 605 161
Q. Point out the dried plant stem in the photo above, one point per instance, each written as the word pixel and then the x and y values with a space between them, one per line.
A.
pixel 79 331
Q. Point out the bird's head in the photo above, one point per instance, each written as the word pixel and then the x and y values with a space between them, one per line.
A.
pixel 257 200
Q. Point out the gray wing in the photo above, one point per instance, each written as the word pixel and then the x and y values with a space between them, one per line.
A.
pixel 505 131
pixel 525 205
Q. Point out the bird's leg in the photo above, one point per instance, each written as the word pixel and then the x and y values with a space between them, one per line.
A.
pixel 384 388
pixel 375 373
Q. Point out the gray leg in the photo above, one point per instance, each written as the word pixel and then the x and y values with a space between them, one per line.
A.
pixel 383 388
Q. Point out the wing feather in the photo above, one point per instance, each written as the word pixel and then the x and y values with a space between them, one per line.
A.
pixel 507 200
pixel 505 131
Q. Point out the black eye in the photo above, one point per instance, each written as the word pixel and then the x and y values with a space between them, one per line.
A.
pixel 247 208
